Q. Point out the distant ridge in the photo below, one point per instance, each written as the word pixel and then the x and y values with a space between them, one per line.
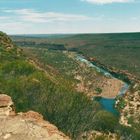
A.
pixel 43 35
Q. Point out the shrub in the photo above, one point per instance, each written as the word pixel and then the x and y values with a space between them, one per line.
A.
pixel 105 121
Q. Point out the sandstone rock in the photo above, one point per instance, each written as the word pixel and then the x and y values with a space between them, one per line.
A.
pixel 25 126
pixel 5 100
pixel 32 115
pixel 6 106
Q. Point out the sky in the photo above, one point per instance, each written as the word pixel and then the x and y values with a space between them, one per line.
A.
pixel 69 16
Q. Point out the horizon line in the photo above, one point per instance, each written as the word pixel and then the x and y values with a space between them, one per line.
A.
pixel 74 33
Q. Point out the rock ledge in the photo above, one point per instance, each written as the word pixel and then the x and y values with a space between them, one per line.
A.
pixel 25 126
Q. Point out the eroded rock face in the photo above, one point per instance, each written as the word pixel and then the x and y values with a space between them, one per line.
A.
pixel 25 126
pixel 6 106
pixel 6 41
pixel 5 100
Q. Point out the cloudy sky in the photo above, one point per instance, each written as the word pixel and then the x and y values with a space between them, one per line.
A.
pixel 69 16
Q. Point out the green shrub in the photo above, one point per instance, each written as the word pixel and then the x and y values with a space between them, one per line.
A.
pixel 98 90
pixel 105 121
pixel 17 67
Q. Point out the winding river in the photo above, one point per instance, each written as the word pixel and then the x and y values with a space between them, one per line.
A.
pixel 107 103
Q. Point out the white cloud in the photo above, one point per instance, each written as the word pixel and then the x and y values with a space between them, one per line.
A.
pixel 3 18
pixel 30 15
pixel 32 21
pixel 107 1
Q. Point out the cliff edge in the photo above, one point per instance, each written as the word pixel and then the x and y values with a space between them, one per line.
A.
pixel 25 126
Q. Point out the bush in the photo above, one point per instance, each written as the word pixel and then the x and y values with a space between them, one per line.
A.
pixel 105 121
pixel 17 68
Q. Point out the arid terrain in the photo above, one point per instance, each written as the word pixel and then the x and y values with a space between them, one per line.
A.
pixel 61 87
pixel 25 126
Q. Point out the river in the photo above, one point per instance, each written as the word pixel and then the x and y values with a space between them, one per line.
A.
pixel 107 103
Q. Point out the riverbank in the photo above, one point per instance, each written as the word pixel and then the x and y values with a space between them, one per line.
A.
pixel 111 86
pixel 121 74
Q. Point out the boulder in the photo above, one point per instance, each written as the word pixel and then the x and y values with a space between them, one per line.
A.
pixel 6 106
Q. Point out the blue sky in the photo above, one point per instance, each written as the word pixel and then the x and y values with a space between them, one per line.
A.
pixel 69 16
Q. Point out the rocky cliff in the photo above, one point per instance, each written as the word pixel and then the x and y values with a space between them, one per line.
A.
pixel 21 126
pixel 25 126
pixel 5 41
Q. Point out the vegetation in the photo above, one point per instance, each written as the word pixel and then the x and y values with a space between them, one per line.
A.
pixel 98 90
pixel 31 88
pixel 116 50
pixel 48 92
pixel 121 104
pixel 64 65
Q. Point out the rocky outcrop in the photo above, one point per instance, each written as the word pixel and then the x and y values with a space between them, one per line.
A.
pixel 7 45
pixel 6 106
pixel 5 41
pixel 130 113
pixel 25 126
pixel 96 135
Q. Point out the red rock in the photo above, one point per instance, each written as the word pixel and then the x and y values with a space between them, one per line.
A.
pixel 5 100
